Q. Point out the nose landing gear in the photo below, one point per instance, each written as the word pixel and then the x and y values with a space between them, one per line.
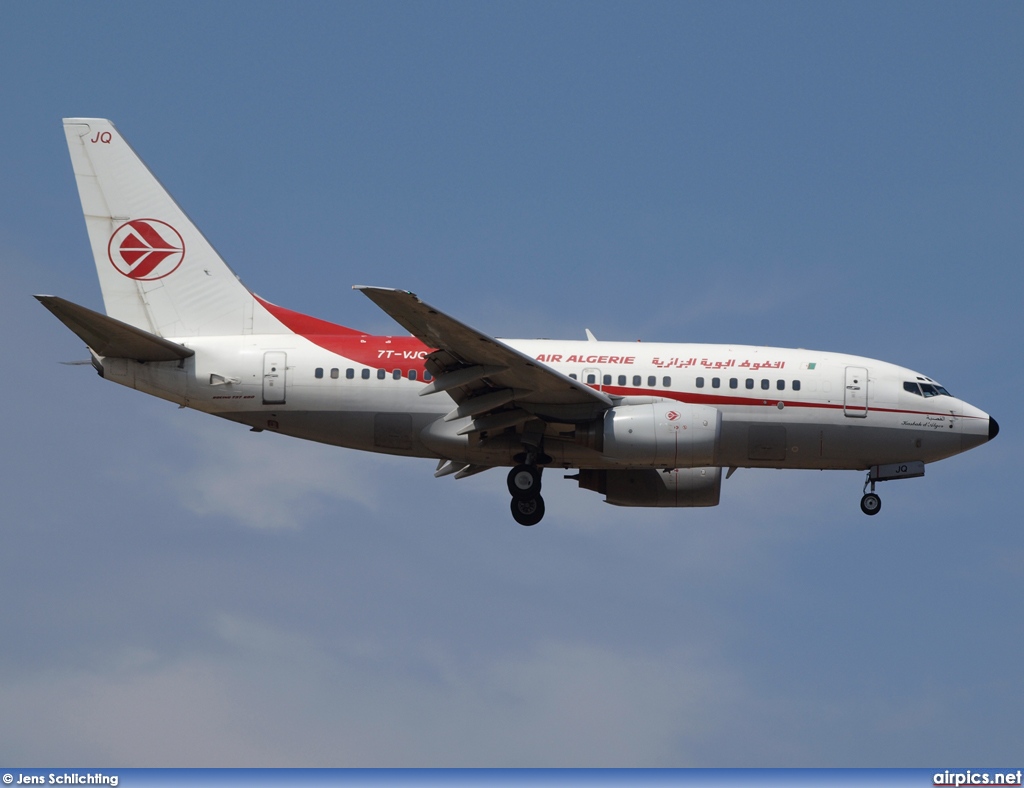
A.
pixel 871 504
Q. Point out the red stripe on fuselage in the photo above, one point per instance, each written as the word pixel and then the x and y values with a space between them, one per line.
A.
pixel 719 399
pixel 390 353
pixel 307 326
pixel 406 353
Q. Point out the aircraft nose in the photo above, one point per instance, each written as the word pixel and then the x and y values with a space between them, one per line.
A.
pixel 993 428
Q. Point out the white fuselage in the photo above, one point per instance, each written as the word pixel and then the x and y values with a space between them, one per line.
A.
pixel 780 408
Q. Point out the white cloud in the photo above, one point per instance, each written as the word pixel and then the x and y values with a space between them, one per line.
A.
pixel 267 481
pixel 268 697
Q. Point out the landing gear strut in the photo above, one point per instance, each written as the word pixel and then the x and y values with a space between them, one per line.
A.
pixel 524 485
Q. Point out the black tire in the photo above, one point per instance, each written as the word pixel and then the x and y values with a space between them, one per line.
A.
pixel 524 481
pixel 528 511
pixel 871 504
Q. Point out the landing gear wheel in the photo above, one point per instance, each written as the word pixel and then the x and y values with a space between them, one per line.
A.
pixel 524 482
pixel 528 511
pixel 871 504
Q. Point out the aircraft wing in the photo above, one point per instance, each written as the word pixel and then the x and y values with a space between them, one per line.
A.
pixel 483 374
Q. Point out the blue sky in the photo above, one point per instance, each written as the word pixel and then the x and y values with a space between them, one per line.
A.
pixel 178 591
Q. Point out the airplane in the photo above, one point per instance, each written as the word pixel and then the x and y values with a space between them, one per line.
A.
pixel 643 424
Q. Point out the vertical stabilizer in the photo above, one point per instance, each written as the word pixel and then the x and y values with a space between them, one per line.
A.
pixel 156 270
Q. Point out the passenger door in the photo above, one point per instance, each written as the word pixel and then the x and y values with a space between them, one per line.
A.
pixel 855 402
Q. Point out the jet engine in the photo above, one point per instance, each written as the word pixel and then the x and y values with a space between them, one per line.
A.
pixel 648 487
pixel 658 434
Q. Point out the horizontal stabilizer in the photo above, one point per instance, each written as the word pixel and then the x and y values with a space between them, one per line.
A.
pixel 112 338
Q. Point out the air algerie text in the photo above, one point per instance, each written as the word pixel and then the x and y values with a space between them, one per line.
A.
pixel 553 358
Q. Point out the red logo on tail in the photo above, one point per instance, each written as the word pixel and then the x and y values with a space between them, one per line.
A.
pixel 146 249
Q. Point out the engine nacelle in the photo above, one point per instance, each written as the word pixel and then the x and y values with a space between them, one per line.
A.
pixel 648 487
pixel 662 434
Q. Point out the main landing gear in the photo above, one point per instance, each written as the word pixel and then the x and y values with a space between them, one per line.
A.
pixel 524 485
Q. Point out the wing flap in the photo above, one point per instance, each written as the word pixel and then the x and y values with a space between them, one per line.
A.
pixel 112 338
pixel 460 377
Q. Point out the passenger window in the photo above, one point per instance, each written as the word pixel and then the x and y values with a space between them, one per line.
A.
pixel 716 383
pixel 319 373
pixel 334 374
pixel 573 376
pixel 666 381
pixel 765 384
pixel 796 385
pixel 607 380
pixel 700 383
pixel 366 374
pixel 652 381
pixel 397 374
pixel 733 383
pixel 412 374
pixel 591 379
pixel 622 380
pixel 636 380
pixel 780 385
pixel 381 374
pixel 427 376
pixel 750 383
pixel 350 373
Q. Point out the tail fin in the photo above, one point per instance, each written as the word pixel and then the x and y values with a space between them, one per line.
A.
pixel 157 271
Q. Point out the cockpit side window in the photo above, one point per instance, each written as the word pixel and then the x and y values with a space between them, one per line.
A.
pixel 911 386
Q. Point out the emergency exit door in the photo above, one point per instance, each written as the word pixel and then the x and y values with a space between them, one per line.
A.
pixel 275 365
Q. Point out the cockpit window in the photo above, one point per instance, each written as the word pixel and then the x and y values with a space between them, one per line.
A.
pixel 933 390
pixel 925 389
